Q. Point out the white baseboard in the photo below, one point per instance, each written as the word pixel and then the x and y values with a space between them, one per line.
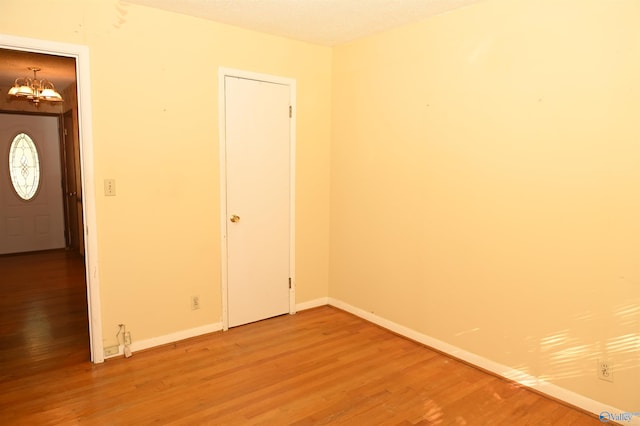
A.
pixel 312 304
pixel 170 338
pixel 501 370
pixel 198 331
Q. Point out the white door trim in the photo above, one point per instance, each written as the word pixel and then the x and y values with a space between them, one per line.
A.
pixel 81 55
pixel 222 73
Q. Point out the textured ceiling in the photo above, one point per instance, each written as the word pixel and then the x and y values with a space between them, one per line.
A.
pixel 327 22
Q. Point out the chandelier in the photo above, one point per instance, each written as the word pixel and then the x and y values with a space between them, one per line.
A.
pixel 35 90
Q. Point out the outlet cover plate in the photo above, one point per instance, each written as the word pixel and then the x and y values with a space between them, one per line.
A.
pixel 195 303
pixel 111 350
pixel 605 370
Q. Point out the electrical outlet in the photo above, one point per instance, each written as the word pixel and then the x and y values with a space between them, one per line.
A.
pixel 605 370
pixel 111 350
pixel 195 302
pixel 127 338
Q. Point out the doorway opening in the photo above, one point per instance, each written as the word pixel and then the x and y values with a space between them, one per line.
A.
pixel 80 239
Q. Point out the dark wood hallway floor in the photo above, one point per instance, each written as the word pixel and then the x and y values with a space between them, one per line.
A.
pixel 43 313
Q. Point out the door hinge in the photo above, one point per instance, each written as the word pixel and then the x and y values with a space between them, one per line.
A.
pixel 289 282
pixel 290 111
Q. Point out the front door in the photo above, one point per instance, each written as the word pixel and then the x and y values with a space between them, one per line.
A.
pixel 30 222
pixel 257 141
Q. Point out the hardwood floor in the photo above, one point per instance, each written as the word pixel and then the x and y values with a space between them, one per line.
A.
pixel 321 366
pixel 43 313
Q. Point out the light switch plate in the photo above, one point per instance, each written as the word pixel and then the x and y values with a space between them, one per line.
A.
pixel 110 187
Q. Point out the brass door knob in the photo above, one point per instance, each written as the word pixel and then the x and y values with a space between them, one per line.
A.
pixel 235 218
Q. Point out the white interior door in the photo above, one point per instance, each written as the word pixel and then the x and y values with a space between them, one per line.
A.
pixel 37 224
pixel 257 142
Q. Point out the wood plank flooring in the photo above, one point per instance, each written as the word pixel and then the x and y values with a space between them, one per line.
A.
pixel 43 312
pixel 321 366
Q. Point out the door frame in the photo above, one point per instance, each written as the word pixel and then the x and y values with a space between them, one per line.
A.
pixel 224 279
pixel 65 161
pixel 81 54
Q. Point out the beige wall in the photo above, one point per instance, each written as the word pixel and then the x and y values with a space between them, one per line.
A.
pixel 154 78
pixel 485 173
